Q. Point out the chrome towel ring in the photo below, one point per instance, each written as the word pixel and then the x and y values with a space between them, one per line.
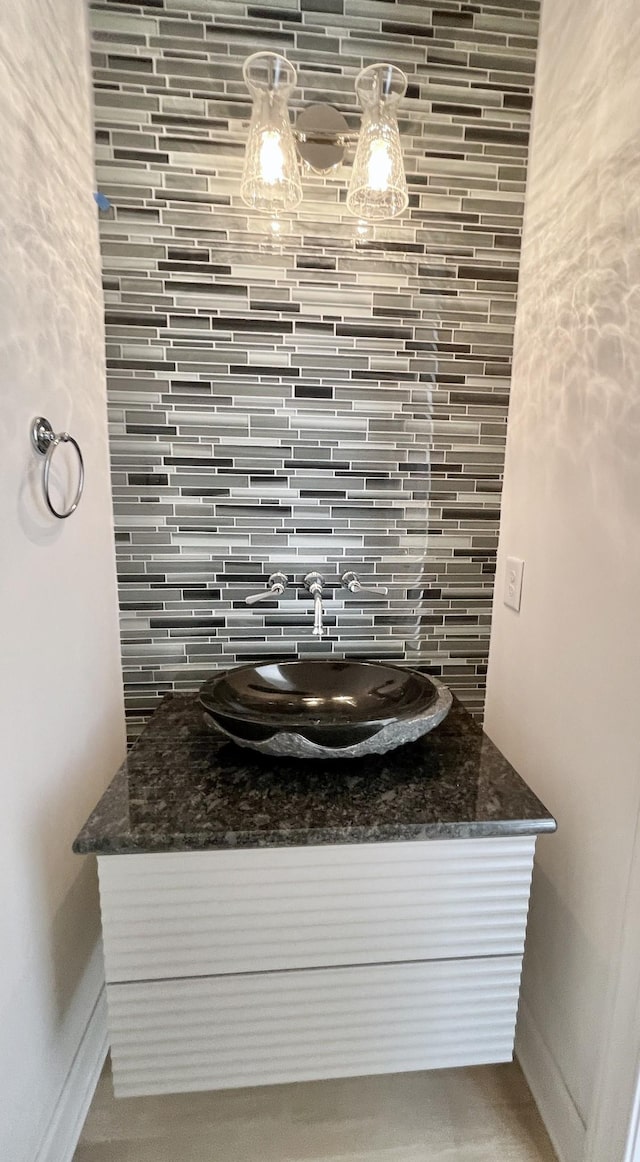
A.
pixel 45 442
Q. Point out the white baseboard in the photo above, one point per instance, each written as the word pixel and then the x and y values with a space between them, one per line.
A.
pixel 65 1127
pixel 557 1109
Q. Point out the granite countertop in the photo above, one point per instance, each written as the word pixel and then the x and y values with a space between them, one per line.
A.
pixel 184 787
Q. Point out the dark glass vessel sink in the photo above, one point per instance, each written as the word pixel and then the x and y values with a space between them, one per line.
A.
pixel 323 708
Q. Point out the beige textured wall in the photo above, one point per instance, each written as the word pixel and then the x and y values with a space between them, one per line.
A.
pixel 564 675
pixel 61 728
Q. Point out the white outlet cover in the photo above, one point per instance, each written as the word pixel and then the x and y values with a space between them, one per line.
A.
pixel 513 583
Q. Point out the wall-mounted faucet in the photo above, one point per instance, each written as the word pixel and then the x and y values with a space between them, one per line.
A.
pixel 314 582
pixel 277 584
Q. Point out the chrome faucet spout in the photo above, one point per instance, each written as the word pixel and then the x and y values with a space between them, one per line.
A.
pixel 314 583
pixel 318 614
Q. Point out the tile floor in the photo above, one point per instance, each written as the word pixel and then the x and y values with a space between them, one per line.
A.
pixel 482 1114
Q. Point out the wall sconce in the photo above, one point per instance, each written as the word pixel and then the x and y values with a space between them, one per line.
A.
pixel 378 187
pixel 271 180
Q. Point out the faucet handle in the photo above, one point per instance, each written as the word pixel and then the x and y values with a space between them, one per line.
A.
pixel 352 582
pixel 277 584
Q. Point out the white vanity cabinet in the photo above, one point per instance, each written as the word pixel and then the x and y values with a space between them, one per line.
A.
pixel 251 966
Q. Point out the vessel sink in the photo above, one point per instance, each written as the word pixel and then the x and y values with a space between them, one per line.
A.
pixel 324 708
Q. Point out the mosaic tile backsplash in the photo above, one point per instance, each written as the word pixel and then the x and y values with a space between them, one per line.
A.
pixel 309 392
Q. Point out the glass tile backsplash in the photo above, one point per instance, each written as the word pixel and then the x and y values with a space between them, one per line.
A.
pixel 311 391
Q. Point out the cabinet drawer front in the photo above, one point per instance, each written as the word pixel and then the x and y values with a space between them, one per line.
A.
pixel 263 1028
pixel 212 912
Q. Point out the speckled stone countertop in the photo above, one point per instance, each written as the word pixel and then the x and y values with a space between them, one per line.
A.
pixel 185 788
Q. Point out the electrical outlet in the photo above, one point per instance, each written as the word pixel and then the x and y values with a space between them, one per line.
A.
pixel 513 583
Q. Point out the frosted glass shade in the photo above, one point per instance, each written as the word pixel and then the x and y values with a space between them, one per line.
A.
pixel 270 178
pixel 378 187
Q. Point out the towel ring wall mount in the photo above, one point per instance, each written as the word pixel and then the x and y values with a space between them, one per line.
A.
pixel 45 442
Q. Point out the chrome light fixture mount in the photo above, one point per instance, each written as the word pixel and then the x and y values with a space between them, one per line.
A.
pixel 271 178
pixel 322 135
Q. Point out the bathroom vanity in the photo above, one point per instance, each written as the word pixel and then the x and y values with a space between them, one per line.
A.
pixel 270 920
